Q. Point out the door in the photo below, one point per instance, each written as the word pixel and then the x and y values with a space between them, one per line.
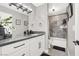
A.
pixel 77 28
pixel 71 34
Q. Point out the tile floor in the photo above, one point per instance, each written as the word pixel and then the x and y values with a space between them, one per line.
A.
pixel 54 52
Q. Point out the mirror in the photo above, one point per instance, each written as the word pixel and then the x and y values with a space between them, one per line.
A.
pixel 6 24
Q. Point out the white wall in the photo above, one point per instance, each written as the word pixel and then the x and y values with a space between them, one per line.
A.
pixel 71 33
pixel 77 28
pixel 59 8
pixel 40 23
pixel 31 15
pixel 19 29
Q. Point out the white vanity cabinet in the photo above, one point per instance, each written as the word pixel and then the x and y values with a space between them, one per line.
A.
pixel 18 48
pixel 42 43
pixel 36 46
pixel 29 47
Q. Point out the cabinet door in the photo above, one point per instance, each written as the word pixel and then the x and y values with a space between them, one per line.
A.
pixel 34 46
pixel 42 43
pixel 21 52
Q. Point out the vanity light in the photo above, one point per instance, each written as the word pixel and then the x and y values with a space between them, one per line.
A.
pixel 15 4
pixel 19 6
pixel 12 4
pixel 22 7
pixel 29 11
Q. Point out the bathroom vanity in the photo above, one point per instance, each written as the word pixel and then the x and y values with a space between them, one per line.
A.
pixel 31 45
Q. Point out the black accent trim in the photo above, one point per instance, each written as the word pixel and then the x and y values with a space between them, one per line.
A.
pixel 44 54
pixel 59 48
pixel 19 46
pixel 70 7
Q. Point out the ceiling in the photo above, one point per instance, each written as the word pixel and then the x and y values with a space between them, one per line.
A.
pixel 57 8
pixel 37 4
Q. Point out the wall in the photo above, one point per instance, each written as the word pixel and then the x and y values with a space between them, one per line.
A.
pixel 59 8
pixel 19 29
pixel 32 15
pixel 71 33
pixel 40 23
pixel 77 28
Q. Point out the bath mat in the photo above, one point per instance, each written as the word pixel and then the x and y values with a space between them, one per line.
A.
pixel 59 48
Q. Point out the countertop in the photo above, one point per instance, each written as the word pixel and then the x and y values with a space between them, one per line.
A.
pixel 14 40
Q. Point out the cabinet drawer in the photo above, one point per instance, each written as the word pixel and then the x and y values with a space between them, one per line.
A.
pixel 21 52
pixel 14 47
pixel 34 43
pixel 34 52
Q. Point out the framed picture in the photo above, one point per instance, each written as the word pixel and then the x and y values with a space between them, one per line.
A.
pixel 18 21
pixel 70 10
pixel 25 23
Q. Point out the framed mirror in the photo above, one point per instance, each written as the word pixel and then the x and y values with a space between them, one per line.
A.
pixel 6 24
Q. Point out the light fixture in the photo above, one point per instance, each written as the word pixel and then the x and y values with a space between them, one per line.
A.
pixel 53 9
pixel 22 7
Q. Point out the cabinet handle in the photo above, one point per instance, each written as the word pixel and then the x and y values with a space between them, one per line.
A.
pixel 23 54
pixel 39 45
pixel 19 46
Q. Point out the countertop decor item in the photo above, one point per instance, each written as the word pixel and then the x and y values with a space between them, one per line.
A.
pixel 2 32
pixel 25 33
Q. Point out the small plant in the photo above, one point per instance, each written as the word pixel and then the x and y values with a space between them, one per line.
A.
pixel 6 21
